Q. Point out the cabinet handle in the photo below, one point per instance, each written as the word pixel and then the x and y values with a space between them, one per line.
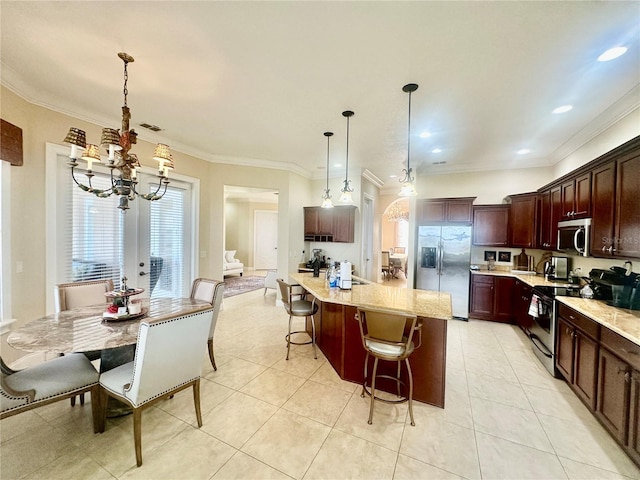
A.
pixel 627 377
pixel 611 249
pixel 604 248
pixel 622 369
pixel 572 317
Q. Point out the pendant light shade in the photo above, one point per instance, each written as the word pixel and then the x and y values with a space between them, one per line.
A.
pixel 408 188
pixel 346 197
pixel 326 197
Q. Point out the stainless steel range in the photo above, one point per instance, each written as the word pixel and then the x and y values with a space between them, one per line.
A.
pixel 543 309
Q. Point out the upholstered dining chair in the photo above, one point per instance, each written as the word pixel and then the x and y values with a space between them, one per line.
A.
pixel 81 294
pixel 168 359
pixel 294 299
pixel 388 335
pixel 385 263
pixel 210 291
pixel 48 382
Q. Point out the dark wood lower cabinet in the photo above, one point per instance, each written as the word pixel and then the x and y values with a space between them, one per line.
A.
pixel 521 299
pixel 577 353
pixel 492 298
pixel 634 418
pixel 613 394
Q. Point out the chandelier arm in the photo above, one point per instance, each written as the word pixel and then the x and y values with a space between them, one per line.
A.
pixel 155 196
pixel 96 191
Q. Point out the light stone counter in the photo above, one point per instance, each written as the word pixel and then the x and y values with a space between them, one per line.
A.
pixel 622 321
pixel 423 303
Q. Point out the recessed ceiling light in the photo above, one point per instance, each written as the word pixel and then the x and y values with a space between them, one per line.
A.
pixel 436 150
pixel 337 165
pixel 523 151
pixel 393 176
pixel 612 53
pixel 563 109
pixel 425 134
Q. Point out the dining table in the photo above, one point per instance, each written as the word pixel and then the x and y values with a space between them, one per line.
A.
pixel 85 330
pixel 398 262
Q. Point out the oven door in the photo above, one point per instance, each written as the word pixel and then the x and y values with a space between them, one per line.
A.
pixel 542 309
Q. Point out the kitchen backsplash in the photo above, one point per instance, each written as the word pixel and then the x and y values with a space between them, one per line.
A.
pixel 586 264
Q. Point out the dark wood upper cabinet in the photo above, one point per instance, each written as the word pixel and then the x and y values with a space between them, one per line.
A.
pixel 523 218
pixel 627 220
pixel 445 210
pixel 335 224
pixel 568 195
pixel 603 209
pixel 491 225
pixel 582 202
pixel 555 217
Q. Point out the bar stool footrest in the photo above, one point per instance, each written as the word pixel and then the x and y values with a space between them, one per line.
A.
pixel 288 338
pixel 403 399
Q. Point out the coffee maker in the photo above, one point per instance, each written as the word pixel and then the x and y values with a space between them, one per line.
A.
pixel 618 286
pixel 557 268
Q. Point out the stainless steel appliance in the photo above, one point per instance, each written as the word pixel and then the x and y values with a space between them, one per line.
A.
pixel 618 286
pixel 557 269
pixel 543 331
pixel 443 260
pixel 573 236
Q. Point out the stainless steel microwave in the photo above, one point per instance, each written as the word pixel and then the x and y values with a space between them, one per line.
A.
pixel 573 236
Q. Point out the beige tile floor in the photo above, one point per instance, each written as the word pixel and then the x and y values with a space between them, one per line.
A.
pixel 267 418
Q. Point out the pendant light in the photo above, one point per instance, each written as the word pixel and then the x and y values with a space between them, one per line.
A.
pixel 326 197
pixel 347 190
pixel 408 188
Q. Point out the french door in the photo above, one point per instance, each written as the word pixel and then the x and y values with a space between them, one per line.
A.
pixel 151 245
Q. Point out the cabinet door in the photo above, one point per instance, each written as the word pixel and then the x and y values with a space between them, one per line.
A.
pixel 503 301
pixel 544 220
pixel 343 224
pixel 491 225
pixel 523 221
pixel 613 394
pixel 583 196
pixel 522 297
pixel 602 208
pixel 556 216
pixel 564 349
pixel 325 221
pixel 432 211
pixel 481 304
pixel 627 231
pixel 311 216
pixel 634 418
pixel 585 368
pixel 568 195
pixel 459 211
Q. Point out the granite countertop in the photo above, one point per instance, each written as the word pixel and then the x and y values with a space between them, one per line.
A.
pixel 423 303
pixel 622 321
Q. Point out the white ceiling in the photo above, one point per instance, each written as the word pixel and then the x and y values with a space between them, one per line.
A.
pixel 259 82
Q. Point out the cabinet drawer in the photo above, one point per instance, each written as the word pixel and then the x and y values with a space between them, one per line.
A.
pixel 625 349
pixel 481 278
pixel 584 323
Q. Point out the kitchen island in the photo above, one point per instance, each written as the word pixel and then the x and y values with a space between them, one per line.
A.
pixel 338 332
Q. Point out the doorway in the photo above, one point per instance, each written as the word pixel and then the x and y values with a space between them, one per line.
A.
pixel 265 239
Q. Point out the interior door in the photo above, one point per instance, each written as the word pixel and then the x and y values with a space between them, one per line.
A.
pixel 163 233
pixel 265 240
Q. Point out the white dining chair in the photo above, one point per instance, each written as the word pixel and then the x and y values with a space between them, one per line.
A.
pixel 168 359
pixel 81 294
pixel 210 291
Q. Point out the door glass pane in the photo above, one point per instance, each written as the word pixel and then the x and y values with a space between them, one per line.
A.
pixel 167 243
pixel 97 241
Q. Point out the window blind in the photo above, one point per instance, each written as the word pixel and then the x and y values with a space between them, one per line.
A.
pixel 167 242
pixel 97 235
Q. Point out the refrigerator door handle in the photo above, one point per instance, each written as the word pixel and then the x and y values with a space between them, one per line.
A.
pixel 440 249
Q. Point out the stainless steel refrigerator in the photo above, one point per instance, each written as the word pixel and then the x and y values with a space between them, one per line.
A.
pixel 444 257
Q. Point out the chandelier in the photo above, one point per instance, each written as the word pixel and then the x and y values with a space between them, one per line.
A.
pixel 118 144
pixel 408 188
pixel 326 196
pixel 396 213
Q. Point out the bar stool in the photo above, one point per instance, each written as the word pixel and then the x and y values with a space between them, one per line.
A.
pixel 388 336
pixel 298 308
